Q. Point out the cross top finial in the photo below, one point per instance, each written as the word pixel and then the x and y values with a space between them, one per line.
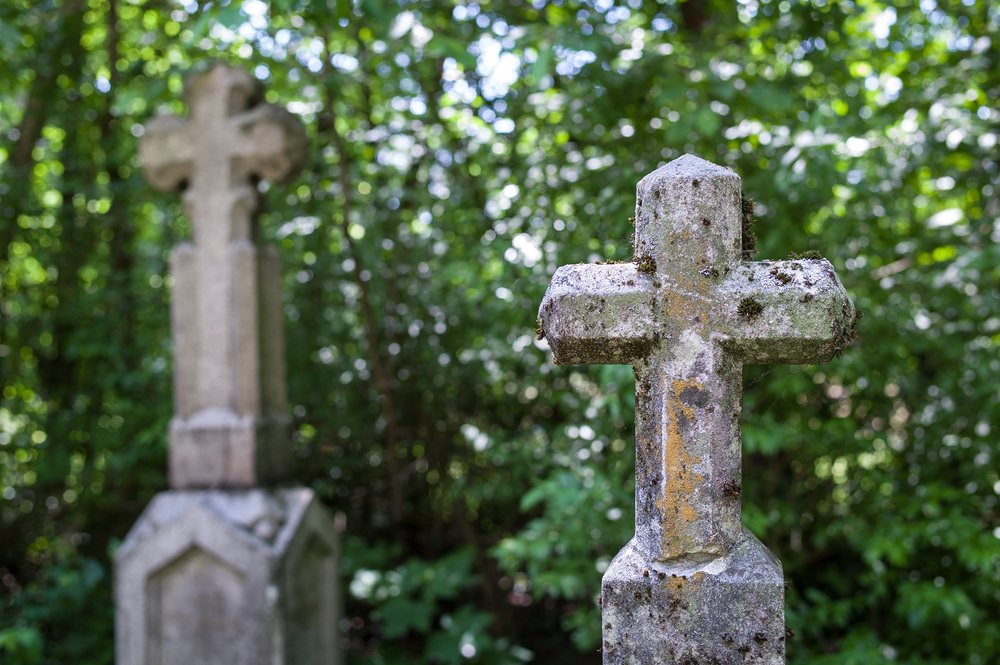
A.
pixel 221 91
pixel 686 218
pixel 227 139
pixel 680 324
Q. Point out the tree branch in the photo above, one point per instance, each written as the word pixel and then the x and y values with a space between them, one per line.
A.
pixel 381 368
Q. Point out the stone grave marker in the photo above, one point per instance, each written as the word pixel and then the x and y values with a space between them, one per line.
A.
pixel 693 585
pixel 221 569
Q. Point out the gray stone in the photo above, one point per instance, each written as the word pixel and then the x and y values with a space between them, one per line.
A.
pixel 242 577
pixel 727 610
pixel 693 585
pixel 231 426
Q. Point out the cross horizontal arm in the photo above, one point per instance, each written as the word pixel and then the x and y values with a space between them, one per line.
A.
pixel 787 312
pixel 599 314
pixel 270 141
pixel 167 151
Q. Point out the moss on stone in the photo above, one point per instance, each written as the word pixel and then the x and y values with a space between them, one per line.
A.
pixel 750 307
pixel 646 264
pixel 781 275
pixel 808 254
pixel 844 333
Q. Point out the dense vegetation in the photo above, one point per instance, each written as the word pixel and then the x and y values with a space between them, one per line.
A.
pixel 461 151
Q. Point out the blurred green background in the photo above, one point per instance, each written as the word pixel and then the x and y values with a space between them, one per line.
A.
pixel 461 151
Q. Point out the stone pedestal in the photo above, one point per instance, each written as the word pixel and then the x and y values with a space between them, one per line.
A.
pixel 723 611
pixel 229 578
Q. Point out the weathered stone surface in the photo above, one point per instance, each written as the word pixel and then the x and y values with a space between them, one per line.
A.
pixel 682 611
pixel 230 425
pixel 241 577
pixel 687 315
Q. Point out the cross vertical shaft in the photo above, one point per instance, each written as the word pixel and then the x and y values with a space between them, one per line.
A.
pixel 683 453
pixel 678 315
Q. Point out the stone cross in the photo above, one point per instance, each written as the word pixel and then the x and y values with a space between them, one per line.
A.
pixel 230 424
pixel 220 569
pixel 693 585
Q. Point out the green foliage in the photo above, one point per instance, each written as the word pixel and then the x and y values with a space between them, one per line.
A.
pixel 420 601
pixel 54 620
pixel 571 543
pixel 460 153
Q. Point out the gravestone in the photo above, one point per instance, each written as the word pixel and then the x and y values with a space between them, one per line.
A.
pixel 223 568
pixel 693 585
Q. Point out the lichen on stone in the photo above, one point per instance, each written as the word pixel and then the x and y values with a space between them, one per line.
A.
pixel 731 488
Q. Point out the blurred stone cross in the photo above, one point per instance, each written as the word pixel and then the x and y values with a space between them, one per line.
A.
pixel 693 585
pixel 230 423
pixel 223 568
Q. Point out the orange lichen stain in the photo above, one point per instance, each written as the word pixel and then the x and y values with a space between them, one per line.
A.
pixel 681 309
pixel 677 584
pixel 676 502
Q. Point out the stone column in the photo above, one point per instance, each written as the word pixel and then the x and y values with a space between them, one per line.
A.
pixel 693 585
pixel 223 569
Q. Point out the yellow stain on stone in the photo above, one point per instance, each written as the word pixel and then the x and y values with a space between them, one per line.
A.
pixel 676 502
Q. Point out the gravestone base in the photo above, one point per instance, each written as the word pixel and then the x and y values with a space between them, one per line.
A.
pixel 239 577
pixel 725 611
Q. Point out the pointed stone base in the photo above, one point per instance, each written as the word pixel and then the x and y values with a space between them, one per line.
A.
pixel 725 611
pixel 239 577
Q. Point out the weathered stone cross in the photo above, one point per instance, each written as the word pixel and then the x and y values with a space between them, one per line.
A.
pixel 693 585
pixel 229 428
